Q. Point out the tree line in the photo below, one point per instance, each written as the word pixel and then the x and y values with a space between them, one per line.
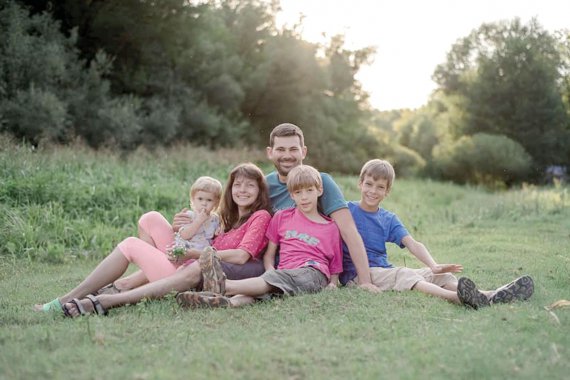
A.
pixel 133 73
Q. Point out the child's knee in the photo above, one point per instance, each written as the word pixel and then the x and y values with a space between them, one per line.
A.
pixel 127 246
pixel 149 218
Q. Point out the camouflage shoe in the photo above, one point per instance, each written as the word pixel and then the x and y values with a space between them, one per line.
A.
pixel 214 278
pixel 469 294
pixel 519 290
pixel 196 300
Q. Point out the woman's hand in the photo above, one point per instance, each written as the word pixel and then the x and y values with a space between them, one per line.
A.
pixel 189 255
pixel 192 254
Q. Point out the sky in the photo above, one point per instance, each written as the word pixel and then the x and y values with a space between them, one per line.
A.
pixel 411 37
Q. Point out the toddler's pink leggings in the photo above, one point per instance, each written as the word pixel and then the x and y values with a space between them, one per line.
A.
pixel 151 259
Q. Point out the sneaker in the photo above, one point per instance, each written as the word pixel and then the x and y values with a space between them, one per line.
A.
pixel 214 278
pixel 196 300
pixel 469 294
pixel 519 290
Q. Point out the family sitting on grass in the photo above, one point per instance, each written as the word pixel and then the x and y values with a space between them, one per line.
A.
pixel 320 237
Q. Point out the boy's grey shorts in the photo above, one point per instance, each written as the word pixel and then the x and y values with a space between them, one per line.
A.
pixel 296 281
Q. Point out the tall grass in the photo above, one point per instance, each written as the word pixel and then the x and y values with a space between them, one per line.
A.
pixel 59 204
pixel 63 202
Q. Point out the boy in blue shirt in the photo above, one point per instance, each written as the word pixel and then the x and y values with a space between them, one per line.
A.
pixel 378 226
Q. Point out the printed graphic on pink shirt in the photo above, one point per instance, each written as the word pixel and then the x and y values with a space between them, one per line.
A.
pixel 303 242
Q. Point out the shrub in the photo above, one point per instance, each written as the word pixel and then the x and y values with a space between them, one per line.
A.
pixel 34 115
pixel 406 161
pixel 482 159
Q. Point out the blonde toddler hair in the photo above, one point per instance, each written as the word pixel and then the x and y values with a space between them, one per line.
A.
pixel 207 184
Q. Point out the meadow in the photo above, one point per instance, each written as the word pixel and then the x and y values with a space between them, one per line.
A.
pixel 63 209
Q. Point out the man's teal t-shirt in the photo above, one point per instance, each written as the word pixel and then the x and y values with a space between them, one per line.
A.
pixel 331 200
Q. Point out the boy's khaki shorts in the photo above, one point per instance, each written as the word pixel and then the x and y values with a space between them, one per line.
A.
pixel 401 278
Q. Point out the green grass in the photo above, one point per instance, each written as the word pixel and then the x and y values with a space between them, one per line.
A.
pixel 62 210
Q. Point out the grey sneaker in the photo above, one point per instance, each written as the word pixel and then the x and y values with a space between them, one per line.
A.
pixel 469 294
pixel 213 275
pixel 519 290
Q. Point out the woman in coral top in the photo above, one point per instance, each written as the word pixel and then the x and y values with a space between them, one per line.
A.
pixel 245 215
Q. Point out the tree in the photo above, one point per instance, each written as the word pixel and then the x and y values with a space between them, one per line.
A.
pixel 506 79
pixel 212 72
pixel 57 99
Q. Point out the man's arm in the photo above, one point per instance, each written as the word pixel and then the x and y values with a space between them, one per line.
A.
pixel 355 245
pixel 234 256
pixel 181 219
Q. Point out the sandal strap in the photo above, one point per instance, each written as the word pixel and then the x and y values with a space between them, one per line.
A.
pixel 78 306
pixel 97 307
pixel 66 311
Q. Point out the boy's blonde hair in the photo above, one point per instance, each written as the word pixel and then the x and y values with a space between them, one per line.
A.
pixel 379 169
pixel 302 177
pixel 207 184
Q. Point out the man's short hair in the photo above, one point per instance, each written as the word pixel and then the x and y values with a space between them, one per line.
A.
pixel 378 169
pixel 286 130
pixel 302 177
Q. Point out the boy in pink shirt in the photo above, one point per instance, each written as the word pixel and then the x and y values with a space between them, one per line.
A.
pixel 310 251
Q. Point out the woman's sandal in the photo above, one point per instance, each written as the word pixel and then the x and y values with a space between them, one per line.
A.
pixel 109 289
pixel 97 307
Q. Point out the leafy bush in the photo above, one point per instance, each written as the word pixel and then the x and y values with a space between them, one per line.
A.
pixel 406 161
pixel 482 159
pixel 35 114
pixel 48 93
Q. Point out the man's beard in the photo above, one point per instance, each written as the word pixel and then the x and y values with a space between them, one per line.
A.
pixel 281 171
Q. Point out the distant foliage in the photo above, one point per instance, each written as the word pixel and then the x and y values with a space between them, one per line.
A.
pixel 218 73
pixel 48 93
pixel 505 80
pixel 486 159
pixel 36 114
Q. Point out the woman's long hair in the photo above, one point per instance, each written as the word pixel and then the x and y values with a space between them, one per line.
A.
pixel 229 212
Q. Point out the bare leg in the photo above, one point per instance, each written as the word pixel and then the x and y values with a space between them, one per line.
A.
pixel 255 286
pixel 184 279
pixel 137 278
pixel 435 290
pixel 132 281
pixel 241 300
pixel 108 270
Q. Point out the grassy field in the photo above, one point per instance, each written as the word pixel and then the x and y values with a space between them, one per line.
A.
pixel 62 210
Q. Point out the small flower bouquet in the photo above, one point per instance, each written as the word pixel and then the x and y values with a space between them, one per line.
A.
pixel 178 251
